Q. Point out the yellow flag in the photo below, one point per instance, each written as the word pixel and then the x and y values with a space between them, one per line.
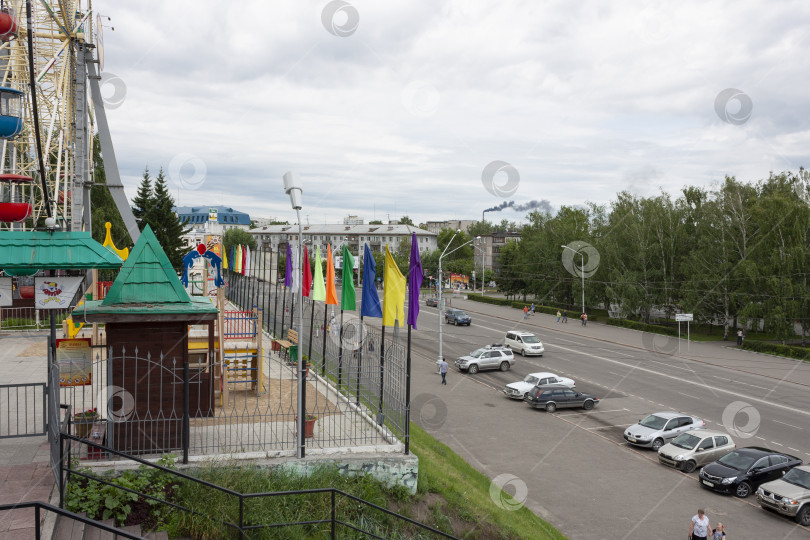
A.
pixel 394 294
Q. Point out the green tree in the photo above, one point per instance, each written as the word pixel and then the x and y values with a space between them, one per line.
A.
pixel 144 201
pixel 235 237
pixel 405 220
pixel 165 223
pixel 103 206
pixel 375 222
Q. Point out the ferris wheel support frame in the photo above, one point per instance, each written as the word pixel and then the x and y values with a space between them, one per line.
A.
pixel 87 65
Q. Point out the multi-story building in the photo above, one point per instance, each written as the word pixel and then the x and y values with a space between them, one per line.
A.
pixel 454 224
pixel 488 247
pixel 208 221
pixel 353 220
pixel 271 237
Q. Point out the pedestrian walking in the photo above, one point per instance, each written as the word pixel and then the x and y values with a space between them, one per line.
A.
pixel 558 315
pixel 565 315
pixel 582 318
pixel 739 337
pixel 443 370
pixel 720 532
pixel 699 528
pixel 532 308
pixel 585 319
pixel 525 312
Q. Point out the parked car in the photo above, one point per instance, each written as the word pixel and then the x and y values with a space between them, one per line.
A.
pixel 695 448
pixel 432 302
pixel 457 317
pixel 789 495
pixel 491 357
pixel 657 429
pixel 552 397
pixel 745 469
pixel 518 390
pixel 524 343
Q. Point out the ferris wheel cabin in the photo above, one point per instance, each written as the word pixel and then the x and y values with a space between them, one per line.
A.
pixel 16 196
pixel 10 112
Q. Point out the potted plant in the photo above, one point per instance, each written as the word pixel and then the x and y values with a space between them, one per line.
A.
pixel 309 425
pixel 84 421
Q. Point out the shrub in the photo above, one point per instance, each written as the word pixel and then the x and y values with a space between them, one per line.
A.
pixel 634 325
pixel 800 353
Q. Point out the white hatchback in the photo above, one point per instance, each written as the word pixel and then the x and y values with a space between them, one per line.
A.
pixel 517 390
pixel 524 343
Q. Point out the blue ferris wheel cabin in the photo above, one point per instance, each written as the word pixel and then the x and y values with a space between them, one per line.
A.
pixel 10 112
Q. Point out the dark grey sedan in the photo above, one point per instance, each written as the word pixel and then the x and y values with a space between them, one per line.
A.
pixel 552 397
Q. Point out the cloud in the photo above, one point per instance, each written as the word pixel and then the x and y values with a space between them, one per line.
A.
pixel 584 99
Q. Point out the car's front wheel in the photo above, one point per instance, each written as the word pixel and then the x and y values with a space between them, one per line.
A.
pixel 657 444
pixel 803 517
pixel 504 366
pixel 473 369
pixel 588 405
pixel 743 490
pixel 689 466
pixel 551 407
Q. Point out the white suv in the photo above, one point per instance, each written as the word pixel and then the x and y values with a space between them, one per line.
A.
pixel 524 343
pixel 489 357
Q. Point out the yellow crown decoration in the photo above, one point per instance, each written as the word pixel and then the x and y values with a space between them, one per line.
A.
pixel 123 253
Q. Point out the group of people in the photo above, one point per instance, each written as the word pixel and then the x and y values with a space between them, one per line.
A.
pixel 700 529
pixel 563 316
pixel 528 311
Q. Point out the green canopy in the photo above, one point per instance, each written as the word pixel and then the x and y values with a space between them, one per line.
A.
pixel 25 252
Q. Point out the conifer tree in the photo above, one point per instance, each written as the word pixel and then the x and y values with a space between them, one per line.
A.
pixel 143 202
pixel 165 223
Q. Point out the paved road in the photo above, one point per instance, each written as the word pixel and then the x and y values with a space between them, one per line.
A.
pixel 573 467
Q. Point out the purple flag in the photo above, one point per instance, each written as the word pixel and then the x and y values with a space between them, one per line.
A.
pixel 415 277
pixel 288 271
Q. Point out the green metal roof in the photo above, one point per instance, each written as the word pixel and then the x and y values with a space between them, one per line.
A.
pixel 23 251
pixel 147 285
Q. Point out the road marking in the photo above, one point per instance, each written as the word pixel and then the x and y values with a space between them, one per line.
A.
pixel 760 438
pixel 608 427
pixel 786 424
pixel 794 449
pixel 776 443
pixel 749 384
pixel 594 411
pixel 692 382
pixel 687 395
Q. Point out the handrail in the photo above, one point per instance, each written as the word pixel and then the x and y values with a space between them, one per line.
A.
pixel 38 506
pixel 241 526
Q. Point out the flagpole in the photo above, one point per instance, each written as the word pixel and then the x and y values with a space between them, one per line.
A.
pixel 340 350
pixel 311 328
pixel 275 309
pixel 360 357
pixel 380 416
pixel 323 356
pixel 408 395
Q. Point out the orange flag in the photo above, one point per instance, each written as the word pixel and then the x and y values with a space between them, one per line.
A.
pixel 331 293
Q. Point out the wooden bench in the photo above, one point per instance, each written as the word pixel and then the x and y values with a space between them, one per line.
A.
pixel 285 344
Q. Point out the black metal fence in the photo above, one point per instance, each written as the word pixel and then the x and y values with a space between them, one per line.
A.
pixel 368 371
pixel 347 513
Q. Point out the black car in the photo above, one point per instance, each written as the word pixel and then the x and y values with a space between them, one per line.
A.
pixel 432 302
pixel 457 317
pixel 743 470
pixel 553 396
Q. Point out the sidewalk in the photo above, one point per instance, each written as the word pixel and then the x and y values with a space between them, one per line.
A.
pixel 719 353
pixel 25 471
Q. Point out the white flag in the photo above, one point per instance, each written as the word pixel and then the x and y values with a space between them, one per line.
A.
pixel 5 292
pixel 55 292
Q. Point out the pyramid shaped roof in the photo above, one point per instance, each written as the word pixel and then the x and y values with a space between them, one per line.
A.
pixel 148 288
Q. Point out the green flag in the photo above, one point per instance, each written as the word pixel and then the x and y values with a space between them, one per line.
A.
pixel 347 291
pixel 318 289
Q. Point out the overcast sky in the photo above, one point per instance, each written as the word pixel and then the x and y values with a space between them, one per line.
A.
pixel 399 107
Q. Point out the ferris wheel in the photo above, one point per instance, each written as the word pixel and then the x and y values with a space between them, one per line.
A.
pixel 49 51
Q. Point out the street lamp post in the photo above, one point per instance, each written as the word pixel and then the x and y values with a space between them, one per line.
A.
pixel 477 246
pixel 441 306
pixel 581 272
pixel 441 286
pixel 292 187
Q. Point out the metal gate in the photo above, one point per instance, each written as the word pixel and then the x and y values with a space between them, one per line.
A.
pixel 23 410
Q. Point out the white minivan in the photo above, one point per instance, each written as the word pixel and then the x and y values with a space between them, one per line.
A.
pixel 524 343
